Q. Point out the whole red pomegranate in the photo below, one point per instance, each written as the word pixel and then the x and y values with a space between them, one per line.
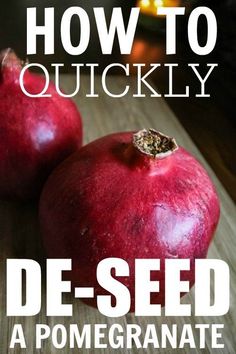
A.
pixel 128 196
pixel 36 133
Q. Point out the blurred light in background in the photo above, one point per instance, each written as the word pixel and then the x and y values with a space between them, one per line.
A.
pixel 149 7
pixel 146 52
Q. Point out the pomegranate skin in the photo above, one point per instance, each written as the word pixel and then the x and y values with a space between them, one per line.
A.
pixel 111 200
pixel 36 133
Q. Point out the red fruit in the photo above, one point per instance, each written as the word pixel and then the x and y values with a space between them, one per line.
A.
pixel 36 133
pixel 128 196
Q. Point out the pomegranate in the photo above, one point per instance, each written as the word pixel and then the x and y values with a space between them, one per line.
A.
pixel 36 133
pixel 128 196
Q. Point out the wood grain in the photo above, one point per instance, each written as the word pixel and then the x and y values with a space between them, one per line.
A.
pixel 20 238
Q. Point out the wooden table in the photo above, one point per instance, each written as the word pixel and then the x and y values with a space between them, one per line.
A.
pixel 19 234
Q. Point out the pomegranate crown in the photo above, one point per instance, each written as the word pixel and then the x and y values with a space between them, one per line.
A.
pixel 10 65
pixel 153 143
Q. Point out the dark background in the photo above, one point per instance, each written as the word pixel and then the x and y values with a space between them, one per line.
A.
pixel 209 121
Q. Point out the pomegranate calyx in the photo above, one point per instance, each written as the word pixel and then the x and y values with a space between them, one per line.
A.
pixel 9 59
pixel 153 143
pixel 10 65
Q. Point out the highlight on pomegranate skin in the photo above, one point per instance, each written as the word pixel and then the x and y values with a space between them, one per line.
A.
pixel 128 195
pixel 36 133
